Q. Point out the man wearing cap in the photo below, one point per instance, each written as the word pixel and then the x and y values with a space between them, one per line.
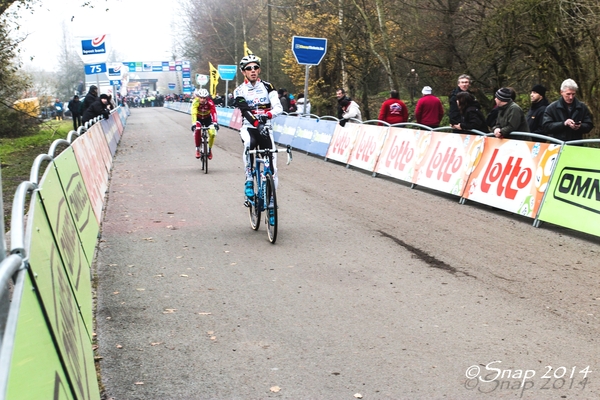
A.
pixel 429 110
pixel 567 118
pixel 393 110
pixel 535 115
pixel 511 117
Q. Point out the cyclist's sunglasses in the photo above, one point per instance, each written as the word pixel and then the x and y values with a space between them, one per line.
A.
pixel 252 68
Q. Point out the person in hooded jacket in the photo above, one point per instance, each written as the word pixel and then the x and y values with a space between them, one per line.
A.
pixel 90 97
pixel 535 115
pixel 303 104
pixel 471 116
pixel 98 107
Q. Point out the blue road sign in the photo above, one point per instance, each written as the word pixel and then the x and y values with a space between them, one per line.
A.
pixel 227 72
pixel 309 51
pixel 116 82
pixel 91 69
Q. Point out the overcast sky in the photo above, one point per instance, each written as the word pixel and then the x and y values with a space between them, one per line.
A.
pixel 140 30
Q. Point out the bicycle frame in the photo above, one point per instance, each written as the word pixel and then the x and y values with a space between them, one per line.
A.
pixel 265 198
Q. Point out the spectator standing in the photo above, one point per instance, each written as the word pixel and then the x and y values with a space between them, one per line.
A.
pixel 75 107
pixel 493 115
pixel 98 107
pixel 303 104
pixel 341 95
pixel 429 110
pixel 464 82
pixel 89 98
pixel 350 110
pixel 535 115
pixel 412 83
pixel 470 113
pixel 230 100
pixel 58 106
pixel 511 117
pixel 393 110
pixel 284 99
pixel 567 118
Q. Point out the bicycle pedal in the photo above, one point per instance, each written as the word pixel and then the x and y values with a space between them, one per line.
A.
pixel 247 203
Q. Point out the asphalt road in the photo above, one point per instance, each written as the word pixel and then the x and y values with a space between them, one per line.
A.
pixel 373 290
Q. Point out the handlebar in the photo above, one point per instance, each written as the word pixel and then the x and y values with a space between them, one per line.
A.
pixel 288 150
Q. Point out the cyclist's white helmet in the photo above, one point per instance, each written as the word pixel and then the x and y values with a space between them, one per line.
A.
pixel 202 93
pixel 250 58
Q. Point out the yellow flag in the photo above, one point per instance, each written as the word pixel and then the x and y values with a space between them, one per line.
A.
pixel 214 79
pixel 247 50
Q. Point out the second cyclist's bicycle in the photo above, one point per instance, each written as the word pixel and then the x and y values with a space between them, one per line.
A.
pixel 203 145
pixel 265 196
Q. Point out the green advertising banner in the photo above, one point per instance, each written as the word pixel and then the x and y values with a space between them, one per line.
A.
pixel 78 201
pixel 573 198
pixel 70 248
pixel 59 303
pixel 34 350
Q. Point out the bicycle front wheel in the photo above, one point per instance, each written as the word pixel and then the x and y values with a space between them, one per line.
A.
pixel 254 207
pixel 271 217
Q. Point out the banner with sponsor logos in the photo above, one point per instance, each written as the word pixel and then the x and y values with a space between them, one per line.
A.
pixel 447 164
pixel 313 135
pixel 573 198
pixel 369 141
pixel 284 129
pixel 95 49
pixel 511 175
pixel 342 142
pixel 402 152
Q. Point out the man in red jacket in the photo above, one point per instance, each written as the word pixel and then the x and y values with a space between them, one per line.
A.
pixel 429 110
pixel 393 110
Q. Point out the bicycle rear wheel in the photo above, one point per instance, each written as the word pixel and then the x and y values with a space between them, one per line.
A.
pixel 271 219
pixel 205 153
pixel 254 207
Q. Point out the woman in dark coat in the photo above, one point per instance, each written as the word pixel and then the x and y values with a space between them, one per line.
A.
pixel 470 112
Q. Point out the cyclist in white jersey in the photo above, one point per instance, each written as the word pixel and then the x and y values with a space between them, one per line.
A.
pixel 258 101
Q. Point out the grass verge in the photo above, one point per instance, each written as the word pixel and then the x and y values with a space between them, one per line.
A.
pixel 17 156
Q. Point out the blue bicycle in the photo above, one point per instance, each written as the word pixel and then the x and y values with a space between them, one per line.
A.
pixel 265 196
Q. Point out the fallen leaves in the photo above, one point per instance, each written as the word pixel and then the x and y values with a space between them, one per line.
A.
pixel 204 313
pixel 358 396
pixel 275 389
pixel 169 310
pixel 155 343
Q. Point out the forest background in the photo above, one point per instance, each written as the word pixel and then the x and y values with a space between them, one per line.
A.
pixel 372 46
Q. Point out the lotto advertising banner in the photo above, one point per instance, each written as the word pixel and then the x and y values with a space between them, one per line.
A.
pixel 448 162
pixel 342 142
pixel 93 171
pixel 236 119
pixel 512 175
pixel 573 198
pixel 369 141
pixel 402 152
